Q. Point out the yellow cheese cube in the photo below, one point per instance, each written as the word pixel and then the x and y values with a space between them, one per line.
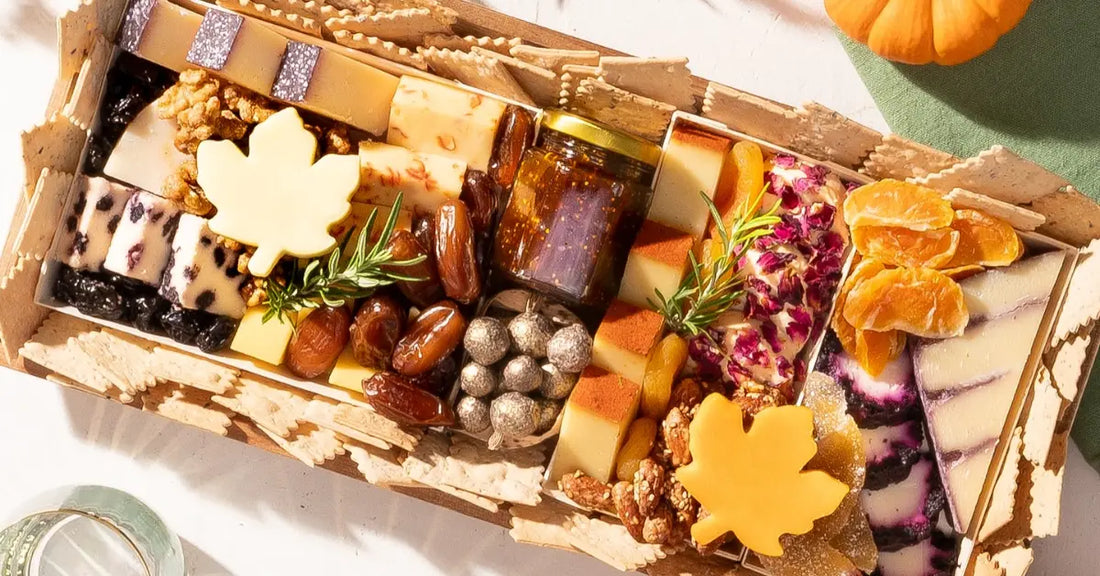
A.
pixel 692 164
pixel 594 423
pixel 656 262
pixel 349 374
pixel 264 341
pixel 624 338
pixel 166 35
pixel 426 180
pixel 434 118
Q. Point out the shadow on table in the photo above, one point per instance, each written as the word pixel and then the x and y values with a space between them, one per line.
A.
pixel 199 563
pixel 1042 78
pixel 317 502
pixel 27 19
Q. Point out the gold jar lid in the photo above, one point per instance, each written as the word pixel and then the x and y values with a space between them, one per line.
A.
pixel 602 135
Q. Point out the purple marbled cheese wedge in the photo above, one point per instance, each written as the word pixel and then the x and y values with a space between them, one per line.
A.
pixel 90 222
pixel 890 398
pixel 904 513
pixel 141 244
pixel 202 274
pixel 932 556
pixel 891 452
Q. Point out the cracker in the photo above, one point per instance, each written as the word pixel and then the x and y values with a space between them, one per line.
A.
pixel 379 467
pixel 611 543
pixel 20 317
pixel 1003 501
pixel 304 21
pixel 511 476
pixel 662 79
pixel 1067 364
pixel 77 31
pixel 84 102
pixel 545 525
pixel 406 25
pixel 765 119
pixel 172 402
pixel 499 45
pixel 1046 501
pixel 124 361
pixel 554 59
pixel 1082 303
pixel 828 135
pixel 1042 417
pixel 181 368
pixel 1019 218
pixel 311 445
pixel 631 113
pixel 425 464
pixel 110 394
pixel 54 347
pixel 900 158
pixel 571 77
pixel 542 85
pixel 359 423
pixel 1071 216
pixel 1000 173
pixel 36 231
pixel 475 70
pixel 381 48
pixel 56 144
pixel 267 403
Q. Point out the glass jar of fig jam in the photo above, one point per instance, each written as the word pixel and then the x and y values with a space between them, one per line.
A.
pixel 578 200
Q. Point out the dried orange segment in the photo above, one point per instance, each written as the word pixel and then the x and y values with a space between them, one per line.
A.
pixel 919 301
pixel 961 272
pixel 874 350
pixel 897 203
pixel 984 240
pixel 845 332
pixel 905 247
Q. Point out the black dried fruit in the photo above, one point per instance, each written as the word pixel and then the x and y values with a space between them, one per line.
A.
pixel 182 325
pixel 97 298
pixel 216 336
pixel 66 286
pixel 145 313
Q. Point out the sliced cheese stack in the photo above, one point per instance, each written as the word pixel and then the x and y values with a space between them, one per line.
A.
pixel 202 273
pixel 620 349
pixel 143 238
pixel 159 31
pixel 90 222
pixel 240 49
pixel 146 154
pixel 425 180
pixel 968 383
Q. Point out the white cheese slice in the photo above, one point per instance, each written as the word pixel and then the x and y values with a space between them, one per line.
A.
pixel 90 222
pixel 954 424
pixel 999 291
pixel 964 480
pixel 202 274
pixel 142 242
pixel 146 154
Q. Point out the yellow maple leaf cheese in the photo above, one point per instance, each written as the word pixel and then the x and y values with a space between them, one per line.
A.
pixel 752 483
pixel 277 198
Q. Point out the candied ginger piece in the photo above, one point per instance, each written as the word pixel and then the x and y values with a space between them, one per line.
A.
pixel 856 542
pixel 839 447
pixel 919 301
pixel 897 203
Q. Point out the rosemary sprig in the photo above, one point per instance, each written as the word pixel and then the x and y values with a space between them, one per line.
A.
pixel 708 291
pixel 333 283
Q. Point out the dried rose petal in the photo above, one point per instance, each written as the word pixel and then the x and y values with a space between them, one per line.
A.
pixel 790 289
pixel 816 174
pixel 784 160
pixel 770 262
pixel 771 334
pixel 820 216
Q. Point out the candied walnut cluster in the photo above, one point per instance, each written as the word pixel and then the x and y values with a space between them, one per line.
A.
pixel 205 107
pixel 182 187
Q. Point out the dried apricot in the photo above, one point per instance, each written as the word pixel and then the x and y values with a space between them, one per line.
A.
pixel 919 301
pixel 874 350
pixel 636 447
pixel 896 203
pixel 904 247
pixel 984 240
pixel 666 360
pixel 865 269
pixel 748 161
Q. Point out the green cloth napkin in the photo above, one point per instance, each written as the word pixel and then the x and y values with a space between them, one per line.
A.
pixel 1037 92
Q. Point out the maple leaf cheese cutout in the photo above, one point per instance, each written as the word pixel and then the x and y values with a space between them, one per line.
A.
pixel 276 198
pixel 752 483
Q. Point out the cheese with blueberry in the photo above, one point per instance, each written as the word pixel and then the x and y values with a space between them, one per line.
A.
pixel 202 273
pixel 143 239
pixel 90 223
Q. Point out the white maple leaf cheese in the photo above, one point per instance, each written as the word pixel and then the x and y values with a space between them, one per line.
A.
pixel 277 198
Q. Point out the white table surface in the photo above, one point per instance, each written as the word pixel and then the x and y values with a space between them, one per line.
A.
pixel 244 511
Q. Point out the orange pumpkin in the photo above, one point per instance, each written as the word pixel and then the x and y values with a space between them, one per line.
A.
pixel 921 31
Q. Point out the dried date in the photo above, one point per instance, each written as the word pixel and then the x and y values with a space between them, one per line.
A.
pixel 431 338
pixel 424 231
pixel 514 134
pixel 376 330
pixel 479 193
pixel 318 342
pixel 426 291
pixel 455 254
pixel 397 399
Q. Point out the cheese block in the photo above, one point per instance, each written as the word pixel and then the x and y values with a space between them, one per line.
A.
pixel 933 556
pixel 357 219
pixel 434 118
pixel 905 512
pixel 426 180
pixel 968 383
pixel 143 239
pixel 265 341
pixel 600 408
pixel 202 273
pixel 348 373
pixel 623 340
pixel 146 154
pixel 90 222
pixel 656 263
pixel 240 49
pixel 692 166
pixel 329 83
pixel 159 31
